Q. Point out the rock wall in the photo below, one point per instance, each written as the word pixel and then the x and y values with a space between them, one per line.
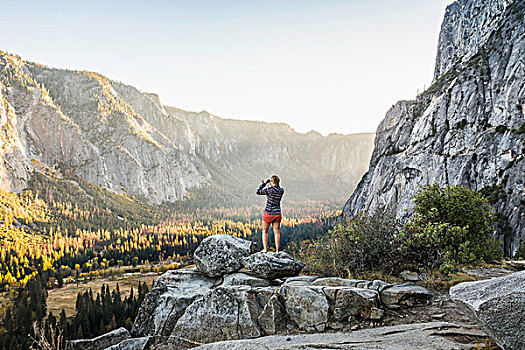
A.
pixel 467 129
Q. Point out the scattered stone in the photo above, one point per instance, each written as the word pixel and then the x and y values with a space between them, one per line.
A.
pixel 272 265
pixel 438 316
pixel 221 254
pixel 335 325
pixel 406 293
pixel 171 294
pixel 101 342
pixel 499 306
pixel 376 314
pixel 308 308
pixel 242 279
pixel 412 276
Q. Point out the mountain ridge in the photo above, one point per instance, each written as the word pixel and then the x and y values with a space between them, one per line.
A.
pixel 114 135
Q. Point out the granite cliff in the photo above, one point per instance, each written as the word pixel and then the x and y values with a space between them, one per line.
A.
pixel 467 128
pixel 116 136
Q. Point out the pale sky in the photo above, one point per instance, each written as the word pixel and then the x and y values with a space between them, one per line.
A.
pixel 326 65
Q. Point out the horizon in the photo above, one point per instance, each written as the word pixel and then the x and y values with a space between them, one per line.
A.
pixel 352 91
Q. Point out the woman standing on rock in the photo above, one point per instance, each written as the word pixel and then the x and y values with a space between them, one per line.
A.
pixel 272 211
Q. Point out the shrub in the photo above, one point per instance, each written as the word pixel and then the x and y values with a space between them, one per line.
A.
pixel 450 225
pixel 363 244
pixel 520 254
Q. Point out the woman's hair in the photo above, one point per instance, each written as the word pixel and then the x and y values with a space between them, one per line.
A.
pixel 275 179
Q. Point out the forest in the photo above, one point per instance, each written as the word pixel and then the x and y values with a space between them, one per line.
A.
pixel 64 229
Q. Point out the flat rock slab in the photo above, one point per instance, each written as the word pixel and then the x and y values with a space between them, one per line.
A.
pixel 218 255
pixel 101 342
pixel 417 336
pixel 272 265
pixel 486 272
pixel 499 306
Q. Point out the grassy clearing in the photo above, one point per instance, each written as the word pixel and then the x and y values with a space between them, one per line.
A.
pixel 65 297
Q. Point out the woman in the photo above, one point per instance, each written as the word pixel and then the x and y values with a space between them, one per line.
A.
pixel 272 211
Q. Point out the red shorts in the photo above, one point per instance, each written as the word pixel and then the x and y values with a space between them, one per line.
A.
pixel 267 218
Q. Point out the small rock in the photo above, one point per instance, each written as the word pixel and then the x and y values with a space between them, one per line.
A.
pixel 438 316
pixel 412 276
pixel 377 313
pixel 335 325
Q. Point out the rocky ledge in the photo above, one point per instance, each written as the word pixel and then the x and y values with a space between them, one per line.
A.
pixel 249 307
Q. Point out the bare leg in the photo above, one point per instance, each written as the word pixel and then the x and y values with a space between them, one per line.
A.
pixel 277 234
pixel 265 228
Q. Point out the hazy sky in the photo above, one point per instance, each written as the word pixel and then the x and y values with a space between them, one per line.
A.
pixel 331 66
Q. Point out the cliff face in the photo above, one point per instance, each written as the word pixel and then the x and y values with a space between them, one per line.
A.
pixel 468 128
pixel 119 137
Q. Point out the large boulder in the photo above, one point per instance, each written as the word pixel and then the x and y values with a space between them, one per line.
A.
pixel 499 306
pixel 101 342
pixel 218 255
pixel 222 314
pixel 272 265
pixel 306 306
pixel 171 294
pixel 354 302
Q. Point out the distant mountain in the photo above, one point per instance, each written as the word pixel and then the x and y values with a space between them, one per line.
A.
pixel 468 128
pixel 126 140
